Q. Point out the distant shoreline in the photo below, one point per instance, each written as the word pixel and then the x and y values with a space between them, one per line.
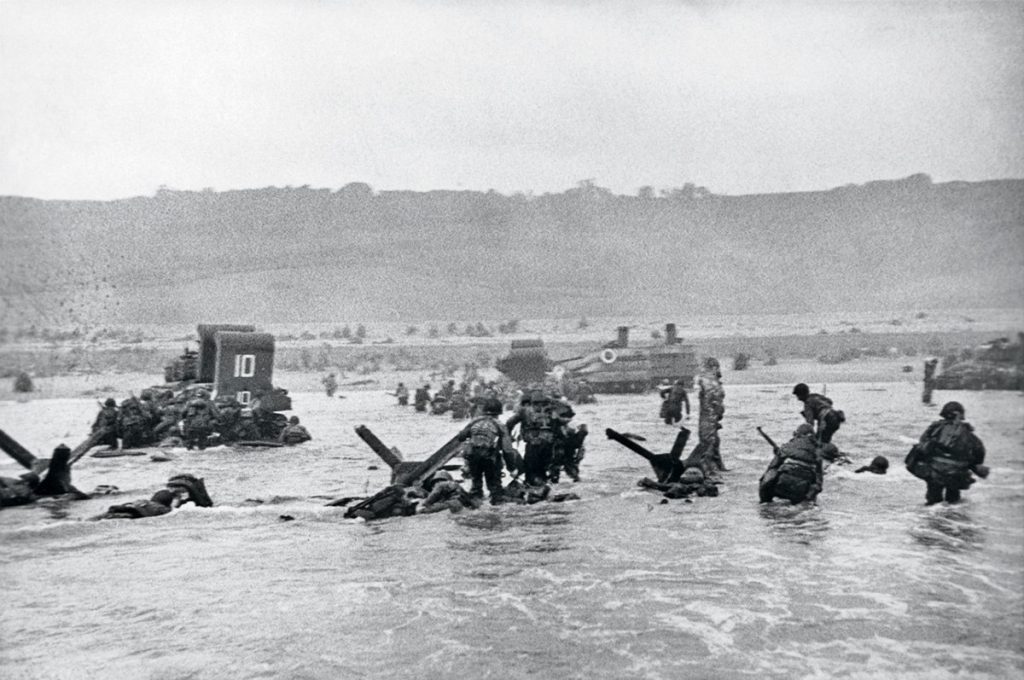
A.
pixel 83 370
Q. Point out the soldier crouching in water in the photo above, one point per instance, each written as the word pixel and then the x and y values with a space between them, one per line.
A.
pixel 489 443
pixel 796 471
pixel 946 455
pixel 294 433
pixel 199 420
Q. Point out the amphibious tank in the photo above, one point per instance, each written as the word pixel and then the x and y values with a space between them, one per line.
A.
pixel 618 368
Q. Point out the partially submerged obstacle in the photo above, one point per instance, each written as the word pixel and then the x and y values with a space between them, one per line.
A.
pixel 35 484
pixel 393 501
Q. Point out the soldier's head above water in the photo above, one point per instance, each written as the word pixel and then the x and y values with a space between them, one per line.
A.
pixel 801 390
pixel 950 409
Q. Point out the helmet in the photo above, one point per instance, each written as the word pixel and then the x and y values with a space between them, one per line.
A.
pixel 294 420
pixel 801 390
pixel 880 464
pixel 950 408
pixel 803 431
pixel 537 397
pixel 692 475
pixel 493 407
pixel 440 476
pixel 110 402
pixel 712 364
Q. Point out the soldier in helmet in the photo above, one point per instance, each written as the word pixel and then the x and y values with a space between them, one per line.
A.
pixel 537 428
pixel 170 415
pixel 246 429
pixel 229 410
pixel 422 398
pixel 199 420
pixel 796 471
pixel 819 413
pixel 294 433
pixel 133 424
pixel 107 421
pixel 330 383
pixel 402 393
pixel 946 455
pixel 674 398
pixel 707 455
pixel 444 493
pixel 489 443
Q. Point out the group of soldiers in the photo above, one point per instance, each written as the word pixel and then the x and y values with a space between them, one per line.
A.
pixel 542 421
pixel 946 457
pixel 192 419
pixel 553 446
pixel 462 401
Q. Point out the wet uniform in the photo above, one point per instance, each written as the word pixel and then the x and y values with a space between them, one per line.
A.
pixel 795 472
pixel 489 442
pixel 945 457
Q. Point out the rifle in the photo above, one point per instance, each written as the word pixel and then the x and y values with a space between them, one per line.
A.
pixel 775 447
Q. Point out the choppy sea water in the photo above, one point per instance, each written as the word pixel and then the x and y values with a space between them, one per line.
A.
pixel 868 583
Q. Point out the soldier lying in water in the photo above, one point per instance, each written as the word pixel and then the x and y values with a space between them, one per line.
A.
pixel 180 489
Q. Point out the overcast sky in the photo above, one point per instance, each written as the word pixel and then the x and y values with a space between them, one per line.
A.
pixel 107 99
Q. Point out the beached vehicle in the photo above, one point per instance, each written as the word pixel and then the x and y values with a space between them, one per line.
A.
pixel 620 368
pixel 999 365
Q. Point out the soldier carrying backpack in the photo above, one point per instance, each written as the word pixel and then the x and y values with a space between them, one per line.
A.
pixel 946 455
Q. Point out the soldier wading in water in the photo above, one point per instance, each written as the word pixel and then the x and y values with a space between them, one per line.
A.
pixel 946 455
pixel 489 442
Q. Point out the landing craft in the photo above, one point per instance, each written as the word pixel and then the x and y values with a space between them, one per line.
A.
pixel 232 361
pixel 617 368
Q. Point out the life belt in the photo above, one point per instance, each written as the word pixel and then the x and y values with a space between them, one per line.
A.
pixel 609 356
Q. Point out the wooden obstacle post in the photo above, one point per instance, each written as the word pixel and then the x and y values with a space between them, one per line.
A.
pixel 16 451
pixel 389 456
pixel 83 448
